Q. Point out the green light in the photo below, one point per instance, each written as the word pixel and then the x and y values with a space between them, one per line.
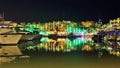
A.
pixel 45 39
pixel 76 43
pixel 107 48
pixel 107 25
pixel 30 47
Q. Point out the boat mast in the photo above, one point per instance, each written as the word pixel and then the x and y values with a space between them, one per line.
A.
pixel 2 19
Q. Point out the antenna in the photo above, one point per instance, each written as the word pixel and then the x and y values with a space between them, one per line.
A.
pixel 3 17
pixel 0 19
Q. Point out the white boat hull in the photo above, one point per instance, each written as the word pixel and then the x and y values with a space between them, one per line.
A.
pixel 10 39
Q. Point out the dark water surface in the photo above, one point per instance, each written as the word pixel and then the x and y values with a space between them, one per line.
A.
pixel 73 59
pixel 67 60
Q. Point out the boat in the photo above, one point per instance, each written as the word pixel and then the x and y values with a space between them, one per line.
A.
pixel 7 35
pixel 8 42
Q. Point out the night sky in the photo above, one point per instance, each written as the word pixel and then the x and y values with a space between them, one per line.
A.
pixel 50 10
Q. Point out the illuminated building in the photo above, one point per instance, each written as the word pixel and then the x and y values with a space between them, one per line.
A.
pixel 88 34
pixel 115 22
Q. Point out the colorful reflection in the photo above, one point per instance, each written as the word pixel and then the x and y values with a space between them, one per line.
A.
pixel 88 36
pixel 62 44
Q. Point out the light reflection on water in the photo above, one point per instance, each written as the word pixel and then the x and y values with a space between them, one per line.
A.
pixel 86 43
pixel 62 50
pixel 60 44
pixel 66 44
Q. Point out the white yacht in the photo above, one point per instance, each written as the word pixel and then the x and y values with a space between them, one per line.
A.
pixel 6 33
pixel 8 42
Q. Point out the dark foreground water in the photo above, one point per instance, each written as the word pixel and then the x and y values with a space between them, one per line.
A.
pixel 73 59
pixel 66 60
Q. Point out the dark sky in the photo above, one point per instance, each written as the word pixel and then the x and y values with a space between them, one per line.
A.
pixel 49 10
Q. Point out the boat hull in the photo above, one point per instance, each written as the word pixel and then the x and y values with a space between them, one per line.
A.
pixel 10 39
